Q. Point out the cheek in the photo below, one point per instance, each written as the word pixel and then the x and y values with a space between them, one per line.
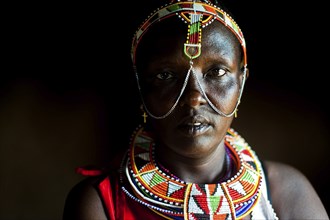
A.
pixel 160 98
pixel 159 104
pixel 224 97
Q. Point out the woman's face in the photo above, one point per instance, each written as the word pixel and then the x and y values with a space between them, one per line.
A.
pixel 193 129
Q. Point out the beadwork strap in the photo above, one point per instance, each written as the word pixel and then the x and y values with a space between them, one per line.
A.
pixel 189 8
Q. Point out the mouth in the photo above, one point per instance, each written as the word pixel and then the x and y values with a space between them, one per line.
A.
pixel 194 125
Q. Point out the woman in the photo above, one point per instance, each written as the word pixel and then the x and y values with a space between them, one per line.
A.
pixel 187 162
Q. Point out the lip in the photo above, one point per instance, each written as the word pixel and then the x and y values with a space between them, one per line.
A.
pixel 195 125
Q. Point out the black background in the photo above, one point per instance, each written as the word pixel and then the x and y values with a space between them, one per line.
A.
pixel 66 81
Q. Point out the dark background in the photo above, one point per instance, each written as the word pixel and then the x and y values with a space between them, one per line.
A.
pixel 68 99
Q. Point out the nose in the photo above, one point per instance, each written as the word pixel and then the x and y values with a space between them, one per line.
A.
pixel 192 95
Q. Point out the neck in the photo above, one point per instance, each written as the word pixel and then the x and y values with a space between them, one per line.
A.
pixel 207 169
pixel 234 196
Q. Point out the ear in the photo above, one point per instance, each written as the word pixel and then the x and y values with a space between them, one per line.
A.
pixel 247 72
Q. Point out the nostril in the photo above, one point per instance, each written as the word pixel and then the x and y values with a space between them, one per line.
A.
pixel 192 99
pixel 197 100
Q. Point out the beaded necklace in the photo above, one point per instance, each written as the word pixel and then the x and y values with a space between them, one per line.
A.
pixel 173 198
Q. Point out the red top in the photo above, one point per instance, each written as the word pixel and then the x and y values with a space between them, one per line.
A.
pixel 117 205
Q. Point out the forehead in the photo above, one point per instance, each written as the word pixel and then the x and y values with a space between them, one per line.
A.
pixel 190 13
pixel 170 35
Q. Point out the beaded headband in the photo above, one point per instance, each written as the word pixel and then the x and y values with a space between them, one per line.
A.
pixel 198 15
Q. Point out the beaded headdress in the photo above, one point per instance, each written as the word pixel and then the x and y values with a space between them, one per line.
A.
pixel 197 14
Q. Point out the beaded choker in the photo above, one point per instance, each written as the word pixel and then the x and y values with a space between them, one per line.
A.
pixel 173 198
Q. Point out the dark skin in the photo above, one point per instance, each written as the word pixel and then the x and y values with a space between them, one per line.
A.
pixel 193 134
pixel 190 141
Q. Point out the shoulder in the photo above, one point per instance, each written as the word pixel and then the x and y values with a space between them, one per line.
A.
pixel 90 198
pixel 84 202
pixel 293 196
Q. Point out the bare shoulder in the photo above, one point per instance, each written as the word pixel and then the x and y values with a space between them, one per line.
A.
pixel 83 202
pixel 293 196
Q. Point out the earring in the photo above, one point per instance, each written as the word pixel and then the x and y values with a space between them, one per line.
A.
pixel 144 115
pixel 235 115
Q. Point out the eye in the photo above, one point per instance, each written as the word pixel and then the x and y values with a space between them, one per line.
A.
pixel 215 72
pixel 164 76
